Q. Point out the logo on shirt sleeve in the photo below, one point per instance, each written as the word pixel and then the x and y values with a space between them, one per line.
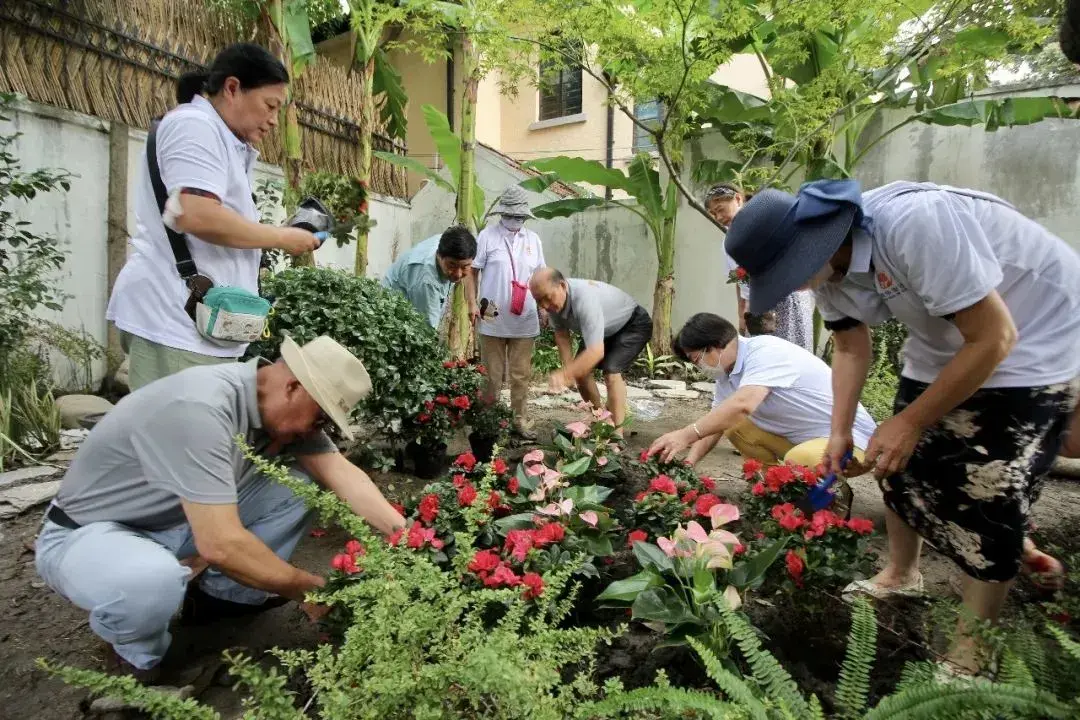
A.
pixel 884 281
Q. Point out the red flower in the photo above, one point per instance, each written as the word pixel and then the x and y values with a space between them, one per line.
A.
pixel 740 273
pixel 461 402
pixel 395 537
pixel 494 500
pixel 449 365
pixel 759 536
pixel 779 511
pixel 353 547
pixel 808 476
pixel 418 536
pixel 663 484
pixel 484 562
pixel 690 497
pixel 534 585
pixel 758 490
pixel 862 526
pixel 644 456
pixel 466 495
pixel 549 535
pixel 423 418
pixel 636 536
pixel 458 480
pixel 518 544
pixel 792 522
pixel 795 566
pixel 429 508
pixel 481 369
pixel 740 549
pixel 442 400
pixel 778 476
pixel 467 461
pixel 499 466
pixel 344 563
pixel 317 533
pixel 701 507
pixel 708 483
pixel 687 513
pixel 640 496
pixel 429 406
pixel 513 485
pixel 750 468
pixel 503 575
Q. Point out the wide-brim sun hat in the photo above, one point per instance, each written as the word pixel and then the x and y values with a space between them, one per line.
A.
pixel 335 378
pixel 782 240
pixel 514 202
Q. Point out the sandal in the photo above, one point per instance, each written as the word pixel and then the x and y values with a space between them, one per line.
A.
pixel 868 588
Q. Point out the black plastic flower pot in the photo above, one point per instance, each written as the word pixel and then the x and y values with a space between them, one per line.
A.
pixel 482 447
pixel 428 461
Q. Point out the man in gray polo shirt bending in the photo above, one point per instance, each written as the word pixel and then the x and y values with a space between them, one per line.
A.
pixel 614 330
pixel 160 490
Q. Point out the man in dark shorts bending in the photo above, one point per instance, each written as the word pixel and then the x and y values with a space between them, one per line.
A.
pixel 613 327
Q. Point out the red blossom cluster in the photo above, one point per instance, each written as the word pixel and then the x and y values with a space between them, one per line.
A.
pixel 697 502
pixel 636 536
pixel 792 520
pixel 495 572
pixel 795 566
pixel 346 562
pixel 417 538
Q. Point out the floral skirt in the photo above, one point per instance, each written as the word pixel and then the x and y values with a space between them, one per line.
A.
pixel 974 475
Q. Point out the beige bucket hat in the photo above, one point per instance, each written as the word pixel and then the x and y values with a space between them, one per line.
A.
pixel 332 375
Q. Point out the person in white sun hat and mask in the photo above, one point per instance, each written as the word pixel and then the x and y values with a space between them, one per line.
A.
pixel 507 254
pixel 991 302
pixel 160 489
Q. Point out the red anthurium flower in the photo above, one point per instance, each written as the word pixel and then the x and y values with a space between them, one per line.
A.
pixel 534 585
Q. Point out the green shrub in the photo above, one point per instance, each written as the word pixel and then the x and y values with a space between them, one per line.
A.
pixel 399 349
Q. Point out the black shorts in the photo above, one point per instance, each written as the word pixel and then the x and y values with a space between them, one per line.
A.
pixel 622 348
pixel 976 472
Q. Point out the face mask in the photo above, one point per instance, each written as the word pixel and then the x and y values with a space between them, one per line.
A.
pixel 512 224
pixel 713 372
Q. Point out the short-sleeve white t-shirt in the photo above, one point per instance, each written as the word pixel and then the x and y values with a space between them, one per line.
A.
pixel 800 400
pixel 195 149
pixel 931 251
pixel 493 247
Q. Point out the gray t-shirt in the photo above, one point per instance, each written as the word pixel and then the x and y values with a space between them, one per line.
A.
pixel 172 440
pixel 595 309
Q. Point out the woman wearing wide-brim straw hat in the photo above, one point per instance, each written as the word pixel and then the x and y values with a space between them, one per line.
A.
pixel 991 366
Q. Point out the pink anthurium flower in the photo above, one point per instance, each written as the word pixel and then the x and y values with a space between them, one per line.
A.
pixel 535 470
pixel 601 414
pixel 601 461
pixel 533 457
pixel 551 509
pixel 722 514
pixel 718 554
pixel 696 533
pixel 667 545
pixel 590 518
pixel 578 429
pixel 538 494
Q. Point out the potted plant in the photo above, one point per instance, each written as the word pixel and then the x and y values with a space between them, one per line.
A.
pixel 489 424
pixel 458 388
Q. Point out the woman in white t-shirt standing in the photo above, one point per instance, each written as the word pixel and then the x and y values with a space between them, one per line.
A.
pixel 991 365
pixel 507 254
pixel 205 155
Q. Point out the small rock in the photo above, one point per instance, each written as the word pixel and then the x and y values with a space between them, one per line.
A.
pixel 636 393
pixel 13 477
pixel 37 584
pixel 62 456
pixel 110 704
pixel 705 387
pixel 667 384
pixel 544 401
pixel 676 394
pixel 17 499
pixel 74 408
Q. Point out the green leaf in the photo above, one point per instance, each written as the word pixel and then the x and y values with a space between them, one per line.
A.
pixel 540 183
pixel 626 590
pixel 662 604
pixel 578 467
pixel 563 443
pixel 567 207
pixel 747 573
pixel 588 495
pixel 645 186
pixel 446 142
pixel 650 556
pixel 580 170
pixel 704 582
pixel 598 545
pixel 521 521
pixel 999 112
pixel 416 166
pixel 387 85
pixel 525 481
pixel 297 32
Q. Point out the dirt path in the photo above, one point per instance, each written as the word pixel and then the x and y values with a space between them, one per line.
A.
pixel 35 622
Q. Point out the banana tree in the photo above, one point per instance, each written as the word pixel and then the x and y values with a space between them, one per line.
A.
pixel 381 90
pixel 657 207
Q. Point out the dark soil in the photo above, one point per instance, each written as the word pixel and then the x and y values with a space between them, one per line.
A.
pixel 35 622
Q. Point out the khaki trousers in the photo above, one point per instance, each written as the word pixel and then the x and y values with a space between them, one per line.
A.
pixel 513 357
pixel 150 361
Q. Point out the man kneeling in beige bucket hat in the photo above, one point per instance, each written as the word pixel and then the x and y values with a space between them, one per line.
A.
pixel 160 489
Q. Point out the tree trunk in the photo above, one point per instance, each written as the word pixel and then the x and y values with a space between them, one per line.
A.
pixel 365 78
pixel 665 288
pixel 459 332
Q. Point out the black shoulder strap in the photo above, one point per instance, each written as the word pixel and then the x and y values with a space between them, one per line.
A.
pixel 184 264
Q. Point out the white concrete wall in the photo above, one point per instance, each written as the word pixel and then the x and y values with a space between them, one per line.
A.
pixel 80 144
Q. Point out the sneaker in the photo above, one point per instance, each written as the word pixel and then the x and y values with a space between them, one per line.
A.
pixel 202 609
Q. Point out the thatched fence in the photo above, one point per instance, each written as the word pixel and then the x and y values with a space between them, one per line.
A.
pixel 119 60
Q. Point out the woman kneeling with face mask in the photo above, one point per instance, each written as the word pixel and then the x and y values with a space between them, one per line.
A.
pixel 773 399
